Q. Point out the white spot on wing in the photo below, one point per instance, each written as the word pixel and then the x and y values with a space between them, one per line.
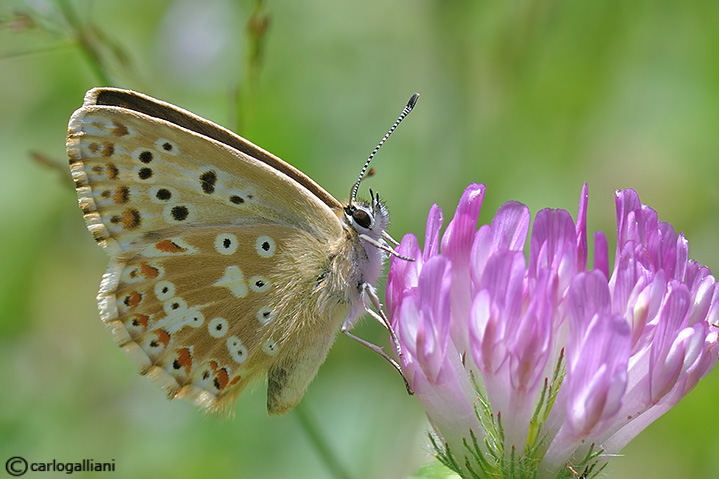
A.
pixel 202 377
pixel 270 347
pixel 265 315
pixel 259 284
pixel 217 327
pixel 237 350
pixel 265 246
pixel 175 306
pixel 194 318
pixel 164 290
pixel 226 243
pixel 167 146
pixel 234 280
pixel 177 319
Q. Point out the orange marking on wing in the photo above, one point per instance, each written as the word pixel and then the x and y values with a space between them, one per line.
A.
pixel 133 299
pixel 169 247
pixel 122 194
pixel 131 219
pixel 112 171
pixel 148 271
pixel 221 379
pixel 184 359
pixel 108 149
pixel 163 337
pixel 235 380
pixel 140 320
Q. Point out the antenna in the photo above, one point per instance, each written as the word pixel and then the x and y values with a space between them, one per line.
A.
pixel 405 111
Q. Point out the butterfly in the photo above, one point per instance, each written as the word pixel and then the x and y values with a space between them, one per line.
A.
pixel 227 264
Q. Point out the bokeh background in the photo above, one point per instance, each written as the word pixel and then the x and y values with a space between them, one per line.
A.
pixel 532 98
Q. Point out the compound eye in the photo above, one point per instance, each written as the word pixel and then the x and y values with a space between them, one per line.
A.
pixel 362 218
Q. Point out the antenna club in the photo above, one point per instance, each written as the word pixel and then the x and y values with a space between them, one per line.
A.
pixel 405 111
pixel 412 101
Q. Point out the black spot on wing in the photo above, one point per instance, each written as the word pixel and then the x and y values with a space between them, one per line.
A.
pixel 179 213
pixel 163 194
pixel 207 181
pixel 144 173
pixel 146 156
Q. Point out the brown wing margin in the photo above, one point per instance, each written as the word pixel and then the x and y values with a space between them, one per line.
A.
pixel 164 111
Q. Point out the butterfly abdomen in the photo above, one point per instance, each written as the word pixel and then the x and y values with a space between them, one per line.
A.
pixel 312 305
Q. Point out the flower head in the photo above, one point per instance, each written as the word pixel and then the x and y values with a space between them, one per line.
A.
pixel 543 365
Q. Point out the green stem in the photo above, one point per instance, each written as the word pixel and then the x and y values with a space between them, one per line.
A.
pixel 37 51
pixel 320 445
pixel 256 30
pixel 87 47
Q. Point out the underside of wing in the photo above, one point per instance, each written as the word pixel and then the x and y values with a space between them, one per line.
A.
pixel 160 110
pixel 205 312
pixel 220 252
pixel 136 175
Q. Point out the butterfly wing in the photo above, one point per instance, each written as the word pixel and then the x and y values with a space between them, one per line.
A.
pixel 138 174
pixel 220 260
pixel 207 310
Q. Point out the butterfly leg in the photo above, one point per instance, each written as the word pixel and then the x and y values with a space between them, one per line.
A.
pixel 381 352
pixel 389 238
pixel 384 247
pixel 368 292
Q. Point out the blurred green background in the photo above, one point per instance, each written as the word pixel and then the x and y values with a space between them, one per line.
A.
pixel 532 98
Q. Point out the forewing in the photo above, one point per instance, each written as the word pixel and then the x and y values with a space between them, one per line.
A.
pixel 137 175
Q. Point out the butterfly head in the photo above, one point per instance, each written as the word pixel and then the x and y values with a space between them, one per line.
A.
pixel 365 224
pixel 367 218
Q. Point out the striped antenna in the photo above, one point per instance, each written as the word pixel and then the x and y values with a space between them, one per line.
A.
pixel 405 111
